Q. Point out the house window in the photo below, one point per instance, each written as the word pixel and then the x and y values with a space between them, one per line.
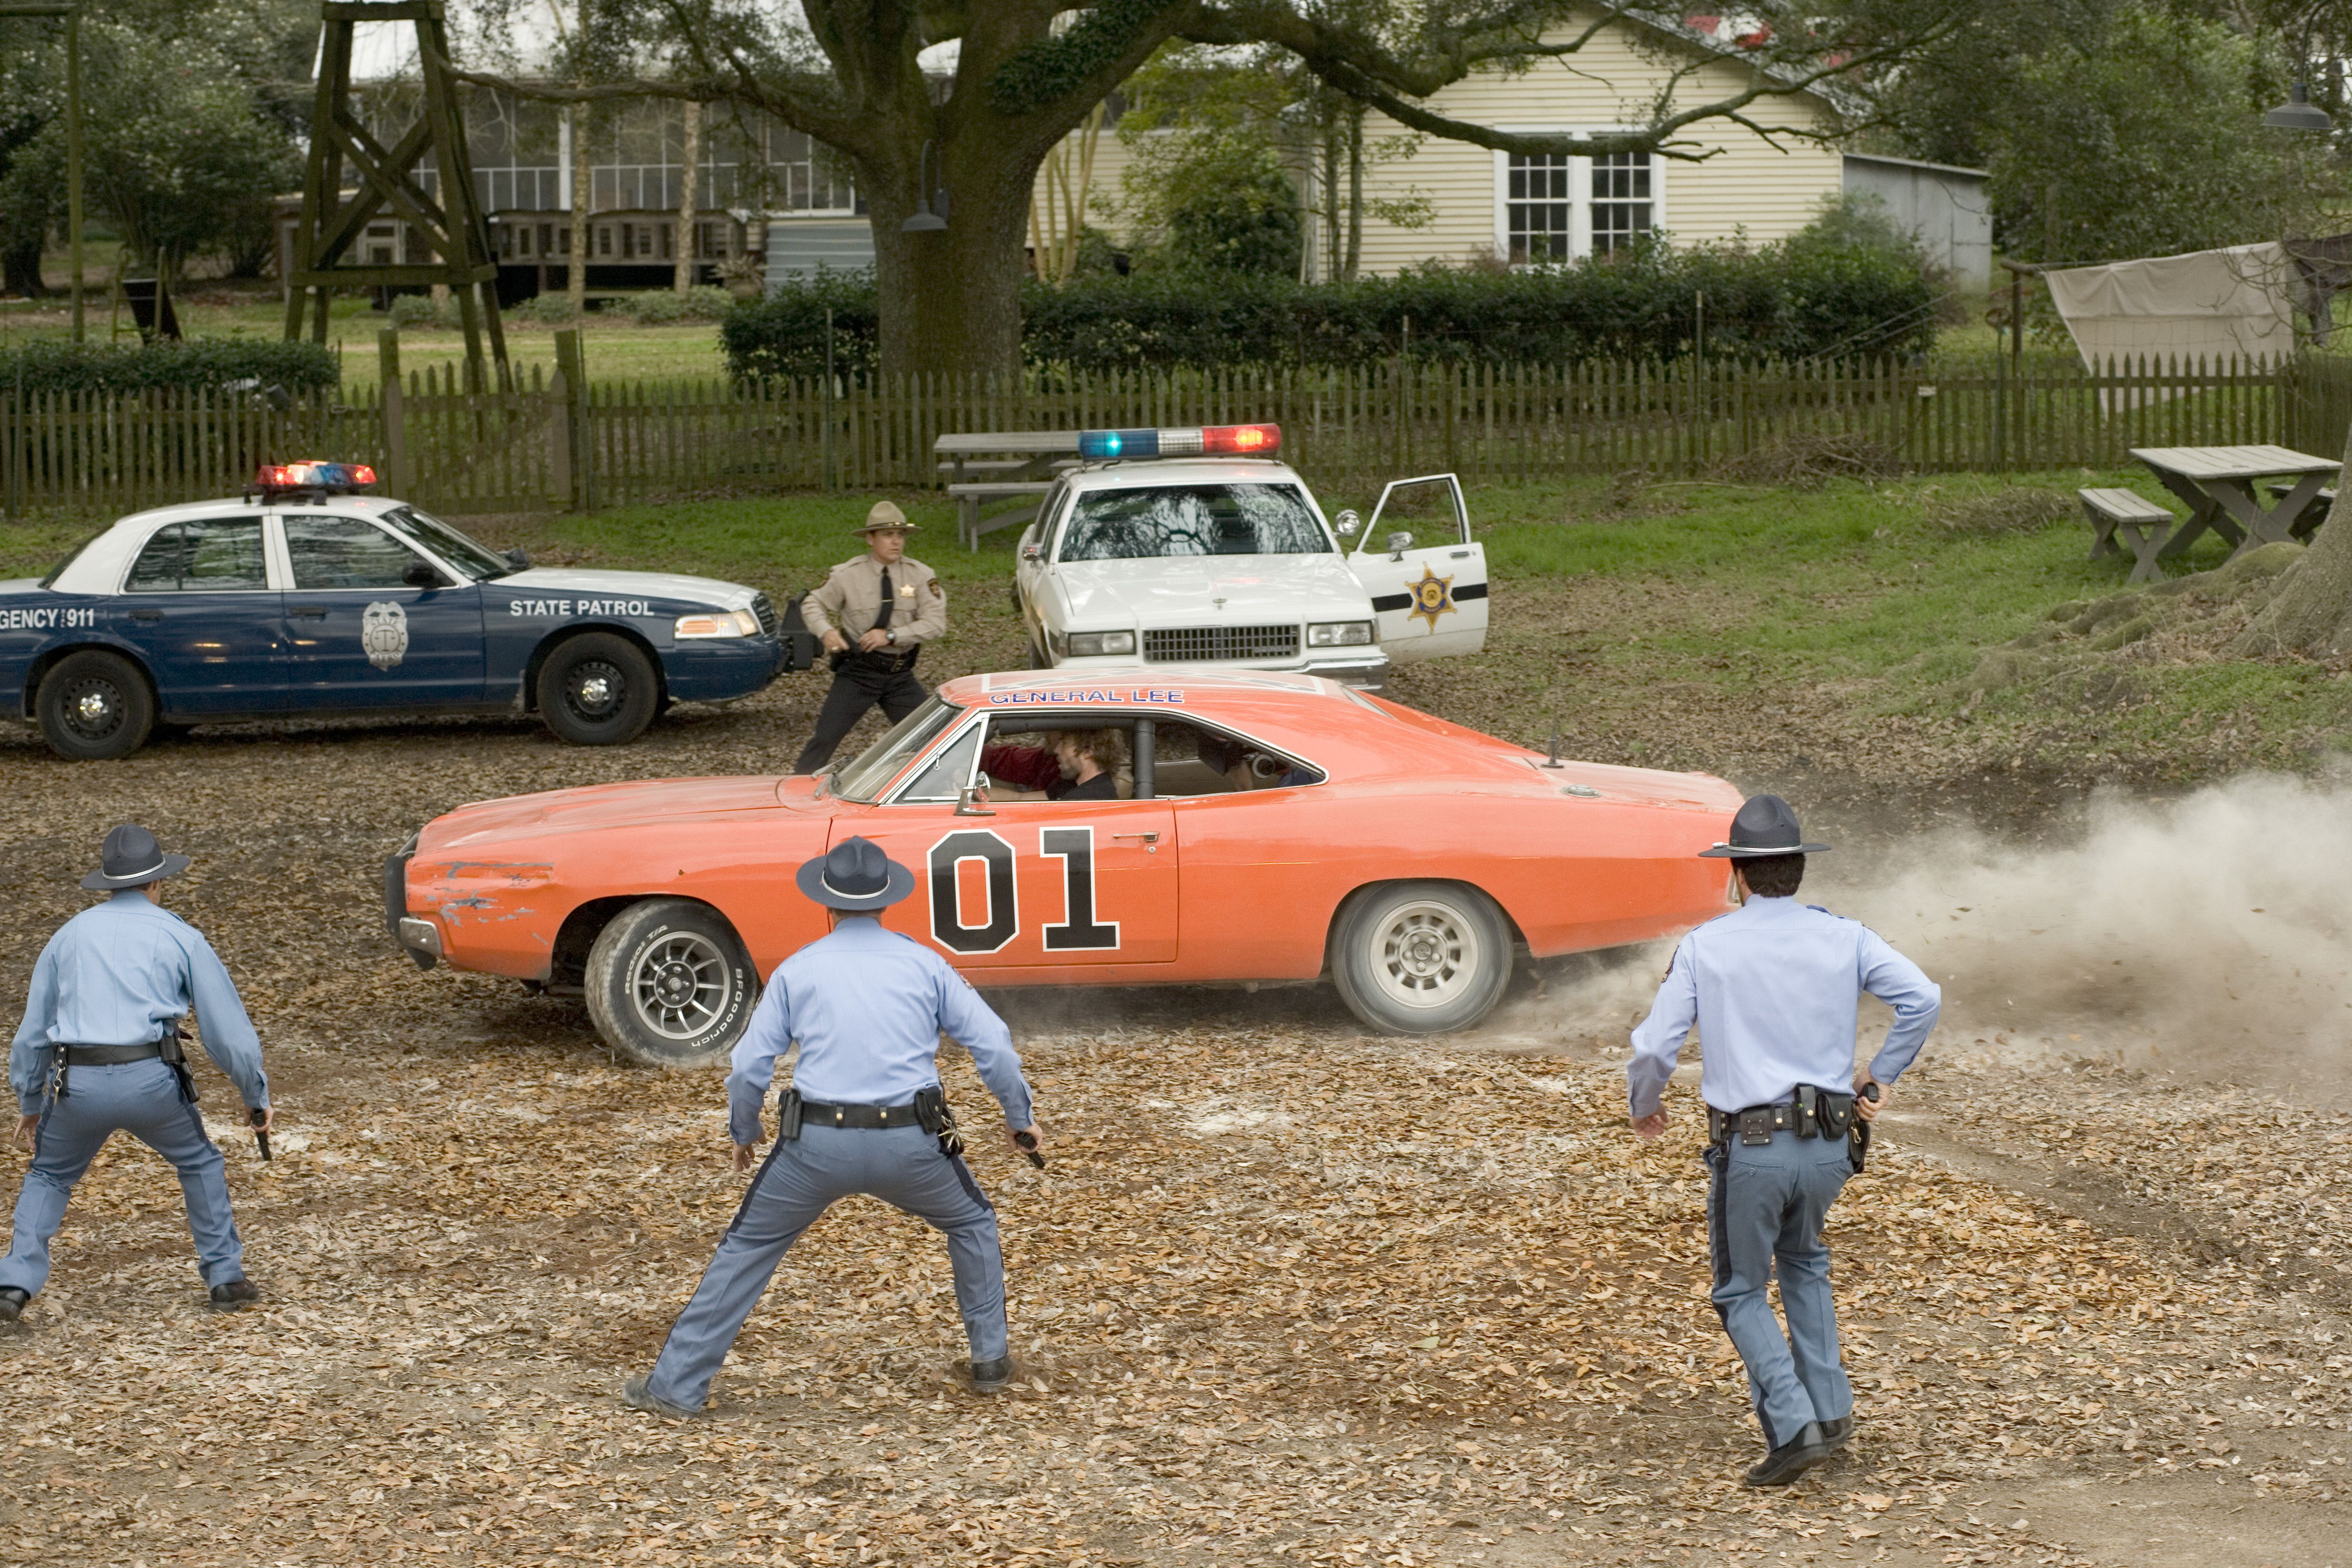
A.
pixel 1621 200
pixel 1541 208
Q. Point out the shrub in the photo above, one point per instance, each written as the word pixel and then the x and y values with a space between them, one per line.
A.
pixel 662 307
pixel 545 310
pixel 54 365
pixel 417 310
pixel 783 334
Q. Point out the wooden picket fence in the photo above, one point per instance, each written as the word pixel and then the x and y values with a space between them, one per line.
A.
pixel 558 442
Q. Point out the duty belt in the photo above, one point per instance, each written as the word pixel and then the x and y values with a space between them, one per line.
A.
pixel 1814 1113
pixel 109 1056
pixel 65 1055
pixel 872 1118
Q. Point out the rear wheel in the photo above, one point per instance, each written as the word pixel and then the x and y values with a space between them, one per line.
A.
pixel 598 690
pixel 95 707
pixel 669 984
pixel 1421 958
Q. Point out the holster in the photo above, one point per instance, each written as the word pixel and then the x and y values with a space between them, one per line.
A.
pixel 788 1116
pixel 1857 1148
pixel 175 1057
pixel 933 1115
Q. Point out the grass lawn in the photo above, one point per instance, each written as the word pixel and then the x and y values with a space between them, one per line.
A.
pixel 1686 624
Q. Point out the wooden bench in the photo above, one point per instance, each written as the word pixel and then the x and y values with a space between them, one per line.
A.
pixel 970 498
pixel 2145 526
pixel 2314 513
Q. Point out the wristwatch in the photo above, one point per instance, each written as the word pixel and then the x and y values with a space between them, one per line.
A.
pixel 890 636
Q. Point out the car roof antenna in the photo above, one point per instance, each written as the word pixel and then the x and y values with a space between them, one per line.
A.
pixel 1552 760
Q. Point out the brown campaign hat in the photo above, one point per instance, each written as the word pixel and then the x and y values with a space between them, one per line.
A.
pixel 885 514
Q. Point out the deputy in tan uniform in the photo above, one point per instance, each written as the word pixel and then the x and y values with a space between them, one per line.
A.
pixel 874 615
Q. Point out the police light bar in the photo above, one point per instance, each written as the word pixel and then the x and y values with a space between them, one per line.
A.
pixel 1201 441
pixel 314 476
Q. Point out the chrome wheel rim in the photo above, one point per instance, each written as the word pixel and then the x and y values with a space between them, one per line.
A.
pixel 680 985
pixel 93 708
pixel 1424 954
pixel 594 689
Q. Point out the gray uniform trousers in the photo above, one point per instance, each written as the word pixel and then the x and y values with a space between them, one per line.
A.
pixel 1765 1209
pixel 141 1099
pixel 902 1166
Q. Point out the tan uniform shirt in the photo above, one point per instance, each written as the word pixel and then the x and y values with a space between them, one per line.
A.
pixel 852 598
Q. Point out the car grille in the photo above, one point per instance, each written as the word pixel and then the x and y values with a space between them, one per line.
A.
pixel 1176 644
pixel 766 612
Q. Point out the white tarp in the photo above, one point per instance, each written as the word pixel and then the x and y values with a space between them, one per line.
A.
pixel 2228 308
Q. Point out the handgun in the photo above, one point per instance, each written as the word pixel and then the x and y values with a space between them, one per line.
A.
pixel 1028 1142
pixel 260 1120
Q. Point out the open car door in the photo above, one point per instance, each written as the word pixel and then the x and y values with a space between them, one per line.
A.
pixel 1426 576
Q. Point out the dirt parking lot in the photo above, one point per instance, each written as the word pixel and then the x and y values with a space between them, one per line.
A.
pixel 1290 1292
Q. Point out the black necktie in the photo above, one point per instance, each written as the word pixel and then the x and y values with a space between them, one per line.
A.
pixel 882 621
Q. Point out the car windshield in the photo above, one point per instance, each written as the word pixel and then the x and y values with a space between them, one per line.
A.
pixel 863 778
pixel 1140 523
pixel 478 562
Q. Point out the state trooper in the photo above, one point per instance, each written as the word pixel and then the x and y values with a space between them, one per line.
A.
pixel 873 614
pixel 865 1114
pixel 99 1052
pixel 1774 988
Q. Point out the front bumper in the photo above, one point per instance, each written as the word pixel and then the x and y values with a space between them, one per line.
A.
pixel 420 939
pixel 721 670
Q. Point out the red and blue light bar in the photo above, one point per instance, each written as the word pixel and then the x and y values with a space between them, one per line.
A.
pixel 314 476
pixel 1194 441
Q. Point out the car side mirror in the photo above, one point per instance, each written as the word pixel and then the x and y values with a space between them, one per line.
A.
pixel 1399 542
pixel 421 575
pixel 1347 522
pixel 1033 553
pixel 974 802
pixel 518 558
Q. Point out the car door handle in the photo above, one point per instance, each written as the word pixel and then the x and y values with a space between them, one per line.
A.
pixel 147 618
pixel 313 612
pixel 1147 837
pixel 1461 555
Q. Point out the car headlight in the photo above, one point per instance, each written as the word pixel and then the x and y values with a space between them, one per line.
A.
pixel 719 623
pixel 1339 634
pixel 1095 645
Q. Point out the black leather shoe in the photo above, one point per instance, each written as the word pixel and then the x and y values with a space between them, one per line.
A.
pixel 1840 1429
pixel 232 1295
pixel 990 1376
pixel 12 1303
pixel 1792 1458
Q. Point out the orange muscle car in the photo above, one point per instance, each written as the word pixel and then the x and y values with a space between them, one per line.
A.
pixel 1193 828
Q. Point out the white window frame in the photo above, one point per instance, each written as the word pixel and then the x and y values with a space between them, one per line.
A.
pixel 1579 185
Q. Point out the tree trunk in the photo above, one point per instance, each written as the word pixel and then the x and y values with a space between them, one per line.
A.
pixel 950 300
pixel 1326 227
pixel 2310 612
pixel 575 277
pixel 687 193
pixel 1355 192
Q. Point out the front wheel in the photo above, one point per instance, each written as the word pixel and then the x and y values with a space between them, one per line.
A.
pixel 95 707
pixel 668 984
pixel 598 690
pixel 1421 958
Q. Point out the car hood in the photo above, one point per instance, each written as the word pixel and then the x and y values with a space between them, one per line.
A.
pixel 589 581
pixel 477 827
pixel 1184 591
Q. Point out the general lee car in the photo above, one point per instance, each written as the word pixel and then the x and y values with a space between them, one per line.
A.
pixel 307 598
pixel 1196 547
pixel 1270 828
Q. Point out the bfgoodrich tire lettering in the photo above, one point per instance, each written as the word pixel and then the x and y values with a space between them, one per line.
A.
pixel 669 984
pixel 95 707
pixel 598 690
pixel 1421 958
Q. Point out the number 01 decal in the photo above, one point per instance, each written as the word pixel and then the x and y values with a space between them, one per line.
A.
pixel 1079 931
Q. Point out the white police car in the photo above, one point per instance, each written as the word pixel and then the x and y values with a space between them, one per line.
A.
pixel 1193 547
pixel 305 598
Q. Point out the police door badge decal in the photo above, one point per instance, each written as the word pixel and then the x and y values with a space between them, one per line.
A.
pixel 383 633
pixel 1431 596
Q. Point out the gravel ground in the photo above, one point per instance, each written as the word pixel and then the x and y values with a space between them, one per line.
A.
pixel 1287 1290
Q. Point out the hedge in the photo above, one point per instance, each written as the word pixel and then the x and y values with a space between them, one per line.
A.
pixel 1790 301
pixel 54 365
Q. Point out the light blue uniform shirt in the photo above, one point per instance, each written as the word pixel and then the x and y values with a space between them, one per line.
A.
pixel 1775 988
pixel 124 973
pixel 868 1007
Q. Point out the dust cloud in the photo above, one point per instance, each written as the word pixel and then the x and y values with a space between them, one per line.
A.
pixel 2211 932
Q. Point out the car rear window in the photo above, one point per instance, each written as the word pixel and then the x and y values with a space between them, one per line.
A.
pixel 1143 523
pixel 202 556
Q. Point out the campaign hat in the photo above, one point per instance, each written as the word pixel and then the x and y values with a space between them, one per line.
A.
pixel 884 514
pixel 132 858
pixel 856 876
pixel 1764 825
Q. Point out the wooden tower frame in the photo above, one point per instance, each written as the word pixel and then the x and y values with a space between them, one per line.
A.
pixel 454 227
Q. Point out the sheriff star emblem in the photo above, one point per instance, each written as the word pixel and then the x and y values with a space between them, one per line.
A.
pixel 1431 596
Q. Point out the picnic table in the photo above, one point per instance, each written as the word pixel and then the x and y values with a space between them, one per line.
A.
pixel 1000 465
pixel 2222 486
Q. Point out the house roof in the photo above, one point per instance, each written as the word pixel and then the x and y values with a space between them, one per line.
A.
pixel 1978 174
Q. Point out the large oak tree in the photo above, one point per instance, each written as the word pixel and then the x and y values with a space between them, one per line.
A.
pixel 868 78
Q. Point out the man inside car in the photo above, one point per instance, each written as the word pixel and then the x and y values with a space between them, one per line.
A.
pixel 1089 763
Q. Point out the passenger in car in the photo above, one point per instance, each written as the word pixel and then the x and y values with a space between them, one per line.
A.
pixel 1090 762
pixel 1246 767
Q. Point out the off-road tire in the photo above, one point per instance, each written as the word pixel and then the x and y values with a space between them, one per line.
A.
pixel 1421 958
pixel 598 690
pixel 669 984
pixel 95 706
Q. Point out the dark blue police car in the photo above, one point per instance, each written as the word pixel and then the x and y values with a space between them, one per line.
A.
pixel 305 598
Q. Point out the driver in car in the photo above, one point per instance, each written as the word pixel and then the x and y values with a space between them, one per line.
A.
pixel 1089 762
